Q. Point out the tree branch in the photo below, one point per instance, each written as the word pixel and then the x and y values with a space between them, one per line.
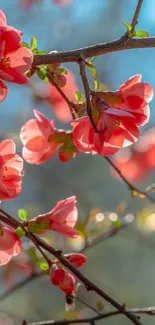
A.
pixel 87 91
pixel 90 320
pixel 136 14
pixel 95 50
pixel 56 253
pixel 72 106
pixel 36 275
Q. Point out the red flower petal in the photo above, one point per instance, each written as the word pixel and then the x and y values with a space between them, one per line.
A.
pixel 10 245
pixel 142 90
pixel 7 148
pixel 81 136
pixel 65 230
pixel 2 18
pixel 131 82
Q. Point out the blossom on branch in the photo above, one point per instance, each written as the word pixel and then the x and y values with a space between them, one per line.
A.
pixel 41 140
pixel 10 245
pixel 118 116
pixel 15 60
pixel 76 259
pixel 11 171
pixel 61 219
pixel 63 279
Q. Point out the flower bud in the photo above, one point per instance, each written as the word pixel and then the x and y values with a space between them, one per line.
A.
pixel 76 259
pixel 64 280
pixel 60 80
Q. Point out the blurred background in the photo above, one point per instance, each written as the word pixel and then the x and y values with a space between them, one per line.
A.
pixel 123 265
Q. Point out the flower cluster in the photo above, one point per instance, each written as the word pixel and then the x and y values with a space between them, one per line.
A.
pixel 118 116
pixel 15 59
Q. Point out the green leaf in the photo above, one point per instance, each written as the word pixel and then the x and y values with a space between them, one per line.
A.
pixel 77 96
pixel 44 266
pixel 25 44
pixel 33 44
pixel 96 84
pixel 61 71
pixel 35 51
pixel 22 214
pixel 42 74
pixel 141 33
pixel 93 70
pixel 128 26
pixel 20 232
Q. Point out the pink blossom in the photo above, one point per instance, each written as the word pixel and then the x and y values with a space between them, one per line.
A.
pixel 35 136
pixel 62 219
pixel 118 116
pixel 76 259
pixel 64 280
pixel 11 170
pixel 10 245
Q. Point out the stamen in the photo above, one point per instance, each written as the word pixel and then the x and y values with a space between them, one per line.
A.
pixel 118 122
pixel 5 61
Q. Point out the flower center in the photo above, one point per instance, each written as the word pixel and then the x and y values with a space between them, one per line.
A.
pixel 102 104
pixel 118 122
pixel 5 61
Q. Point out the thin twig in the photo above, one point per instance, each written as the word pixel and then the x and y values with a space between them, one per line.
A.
pixel 88 283
pixel 87 91
pixel 73 107
pixel 131 187
pixel 41 251
pixel 145 310
pixel 88 305
pixel 136 14
pixel 36 275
